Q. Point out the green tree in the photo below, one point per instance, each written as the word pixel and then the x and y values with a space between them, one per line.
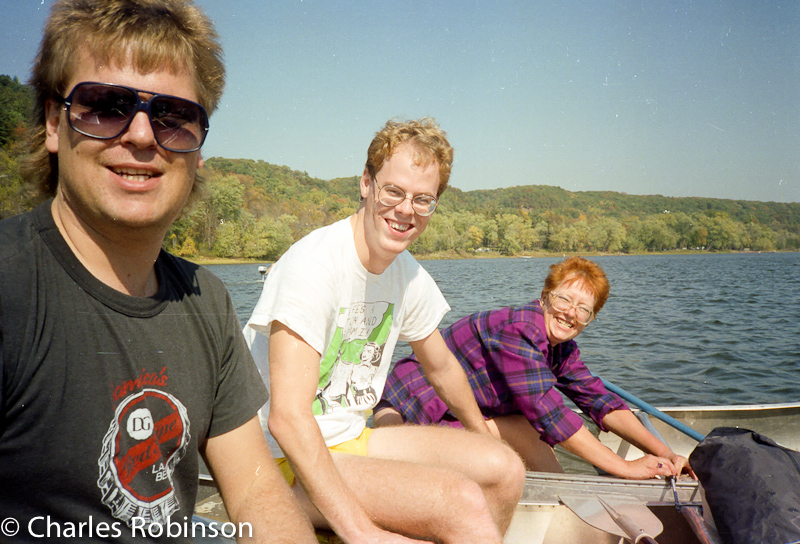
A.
pixel 510 233
pixel 188 249
pixel 268 238
pixel 228 242
pixel 223 202
pixel 488 227
pixel 682 225
pixel 724 233
pixel 654 234
pixel 758 238
pixel 606 234
pixel 15 197
pixel 16 106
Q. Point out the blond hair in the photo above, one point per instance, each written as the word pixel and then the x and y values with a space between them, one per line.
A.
pixel 428 140
pixel 149 34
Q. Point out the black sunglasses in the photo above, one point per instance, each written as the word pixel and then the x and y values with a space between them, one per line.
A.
pixel 104 111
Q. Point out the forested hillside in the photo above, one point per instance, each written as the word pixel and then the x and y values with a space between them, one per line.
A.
pixel 253 209
pixel 16 101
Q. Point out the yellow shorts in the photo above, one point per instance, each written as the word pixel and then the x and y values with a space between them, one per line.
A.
pixel 356 446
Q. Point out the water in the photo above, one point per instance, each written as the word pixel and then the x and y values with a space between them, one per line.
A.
pixel 676 330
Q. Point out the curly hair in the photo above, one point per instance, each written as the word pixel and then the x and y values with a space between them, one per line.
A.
pixel 148 34
pixel 578 269
pixel 429 141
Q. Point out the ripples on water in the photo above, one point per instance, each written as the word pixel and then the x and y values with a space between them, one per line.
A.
pixel 676 330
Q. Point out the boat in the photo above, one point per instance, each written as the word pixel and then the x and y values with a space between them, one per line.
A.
pixel 544 515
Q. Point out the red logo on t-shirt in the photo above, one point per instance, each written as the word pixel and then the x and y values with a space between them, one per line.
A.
pixel 147 438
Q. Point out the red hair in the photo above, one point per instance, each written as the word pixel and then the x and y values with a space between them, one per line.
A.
pixel 578 269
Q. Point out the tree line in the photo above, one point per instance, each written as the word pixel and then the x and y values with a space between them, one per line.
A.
pixel 16 103
pixel 256 210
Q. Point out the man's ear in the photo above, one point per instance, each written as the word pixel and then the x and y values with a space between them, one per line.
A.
pixel 52 119
pixel 366 179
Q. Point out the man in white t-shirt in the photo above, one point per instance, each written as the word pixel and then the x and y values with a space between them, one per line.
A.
pixel 334 307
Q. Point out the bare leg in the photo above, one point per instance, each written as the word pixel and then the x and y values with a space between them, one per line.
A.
pixel 517 431
pixel 419 501
pixel 495 467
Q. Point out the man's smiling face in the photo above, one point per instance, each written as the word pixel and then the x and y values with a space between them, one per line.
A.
pixel 390 230
pixel 129 181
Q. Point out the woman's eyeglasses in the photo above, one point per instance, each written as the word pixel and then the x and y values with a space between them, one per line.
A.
pixel 392 196
pixel 104 111
pixel 562 303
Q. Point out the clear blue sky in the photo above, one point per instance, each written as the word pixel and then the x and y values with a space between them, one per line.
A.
pixel 679 98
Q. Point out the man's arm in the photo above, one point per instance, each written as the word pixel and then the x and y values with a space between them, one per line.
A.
pixel 449 380
pixel 294 374
pixel 253 489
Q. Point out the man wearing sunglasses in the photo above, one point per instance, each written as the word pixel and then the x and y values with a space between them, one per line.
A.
pixel 333 308
pixel 120 363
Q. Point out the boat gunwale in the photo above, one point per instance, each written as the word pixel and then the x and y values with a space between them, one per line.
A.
pixel 544 488
pixel 729 407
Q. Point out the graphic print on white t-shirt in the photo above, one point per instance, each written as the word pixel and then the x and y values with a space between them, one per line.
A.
pixel 353 357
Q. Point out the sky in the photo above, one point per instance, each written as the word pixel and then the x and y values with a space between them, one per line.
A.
pixel 675 97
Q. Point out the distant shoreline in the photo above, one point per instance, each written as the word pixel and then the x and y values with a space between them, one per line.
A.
pixel 454 255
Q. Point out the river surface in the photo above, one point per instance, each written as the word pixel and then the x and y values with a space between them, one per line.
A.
pixel 677 330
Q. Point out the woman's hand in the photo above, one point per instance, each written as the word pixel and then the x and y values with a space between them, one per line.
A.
pixel 624 424
pixel 681 465
pixel 650 466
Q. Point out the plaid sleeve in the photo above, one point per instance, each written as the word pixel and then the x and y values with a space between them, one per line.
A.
pixel 584 389
pixel 531 383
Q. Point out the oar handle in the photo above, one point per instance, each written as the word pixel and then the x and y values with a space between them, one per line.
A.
pixel 633 530
pixel 653 411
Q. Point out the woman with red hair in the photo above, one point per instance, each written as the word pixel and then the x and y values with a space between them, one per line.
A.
pixel 519 361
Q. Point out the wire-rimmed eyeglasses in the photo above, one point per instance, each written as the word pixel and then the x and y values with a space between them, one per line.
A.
pixel 392 196
pixel 562 303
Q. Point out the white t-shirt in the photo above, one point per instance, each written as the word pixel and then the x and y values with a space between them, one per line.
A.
pixel 353 318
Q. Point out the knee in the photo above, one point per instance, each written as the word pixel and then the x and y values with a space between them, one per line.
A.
pixel 471 502
pixel 469 519
pixel 506 470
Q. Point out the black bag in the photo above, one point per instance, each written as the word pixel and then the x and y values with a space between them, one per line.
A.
pixel 752 486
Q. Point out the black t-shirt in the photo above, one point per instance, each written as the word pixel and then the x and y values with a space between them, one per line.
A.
pixel 105 398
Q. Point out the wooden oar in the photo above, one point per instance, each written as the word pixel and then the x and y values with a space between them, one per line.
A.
pixel 653 411
pixel 621 515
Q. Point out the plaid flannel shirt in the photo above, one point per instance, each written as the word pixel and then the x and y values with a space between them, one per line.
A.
pixel 512 369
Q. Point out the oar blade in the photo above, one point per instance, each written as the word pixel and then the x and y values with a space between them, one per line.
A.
pixel 590 510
